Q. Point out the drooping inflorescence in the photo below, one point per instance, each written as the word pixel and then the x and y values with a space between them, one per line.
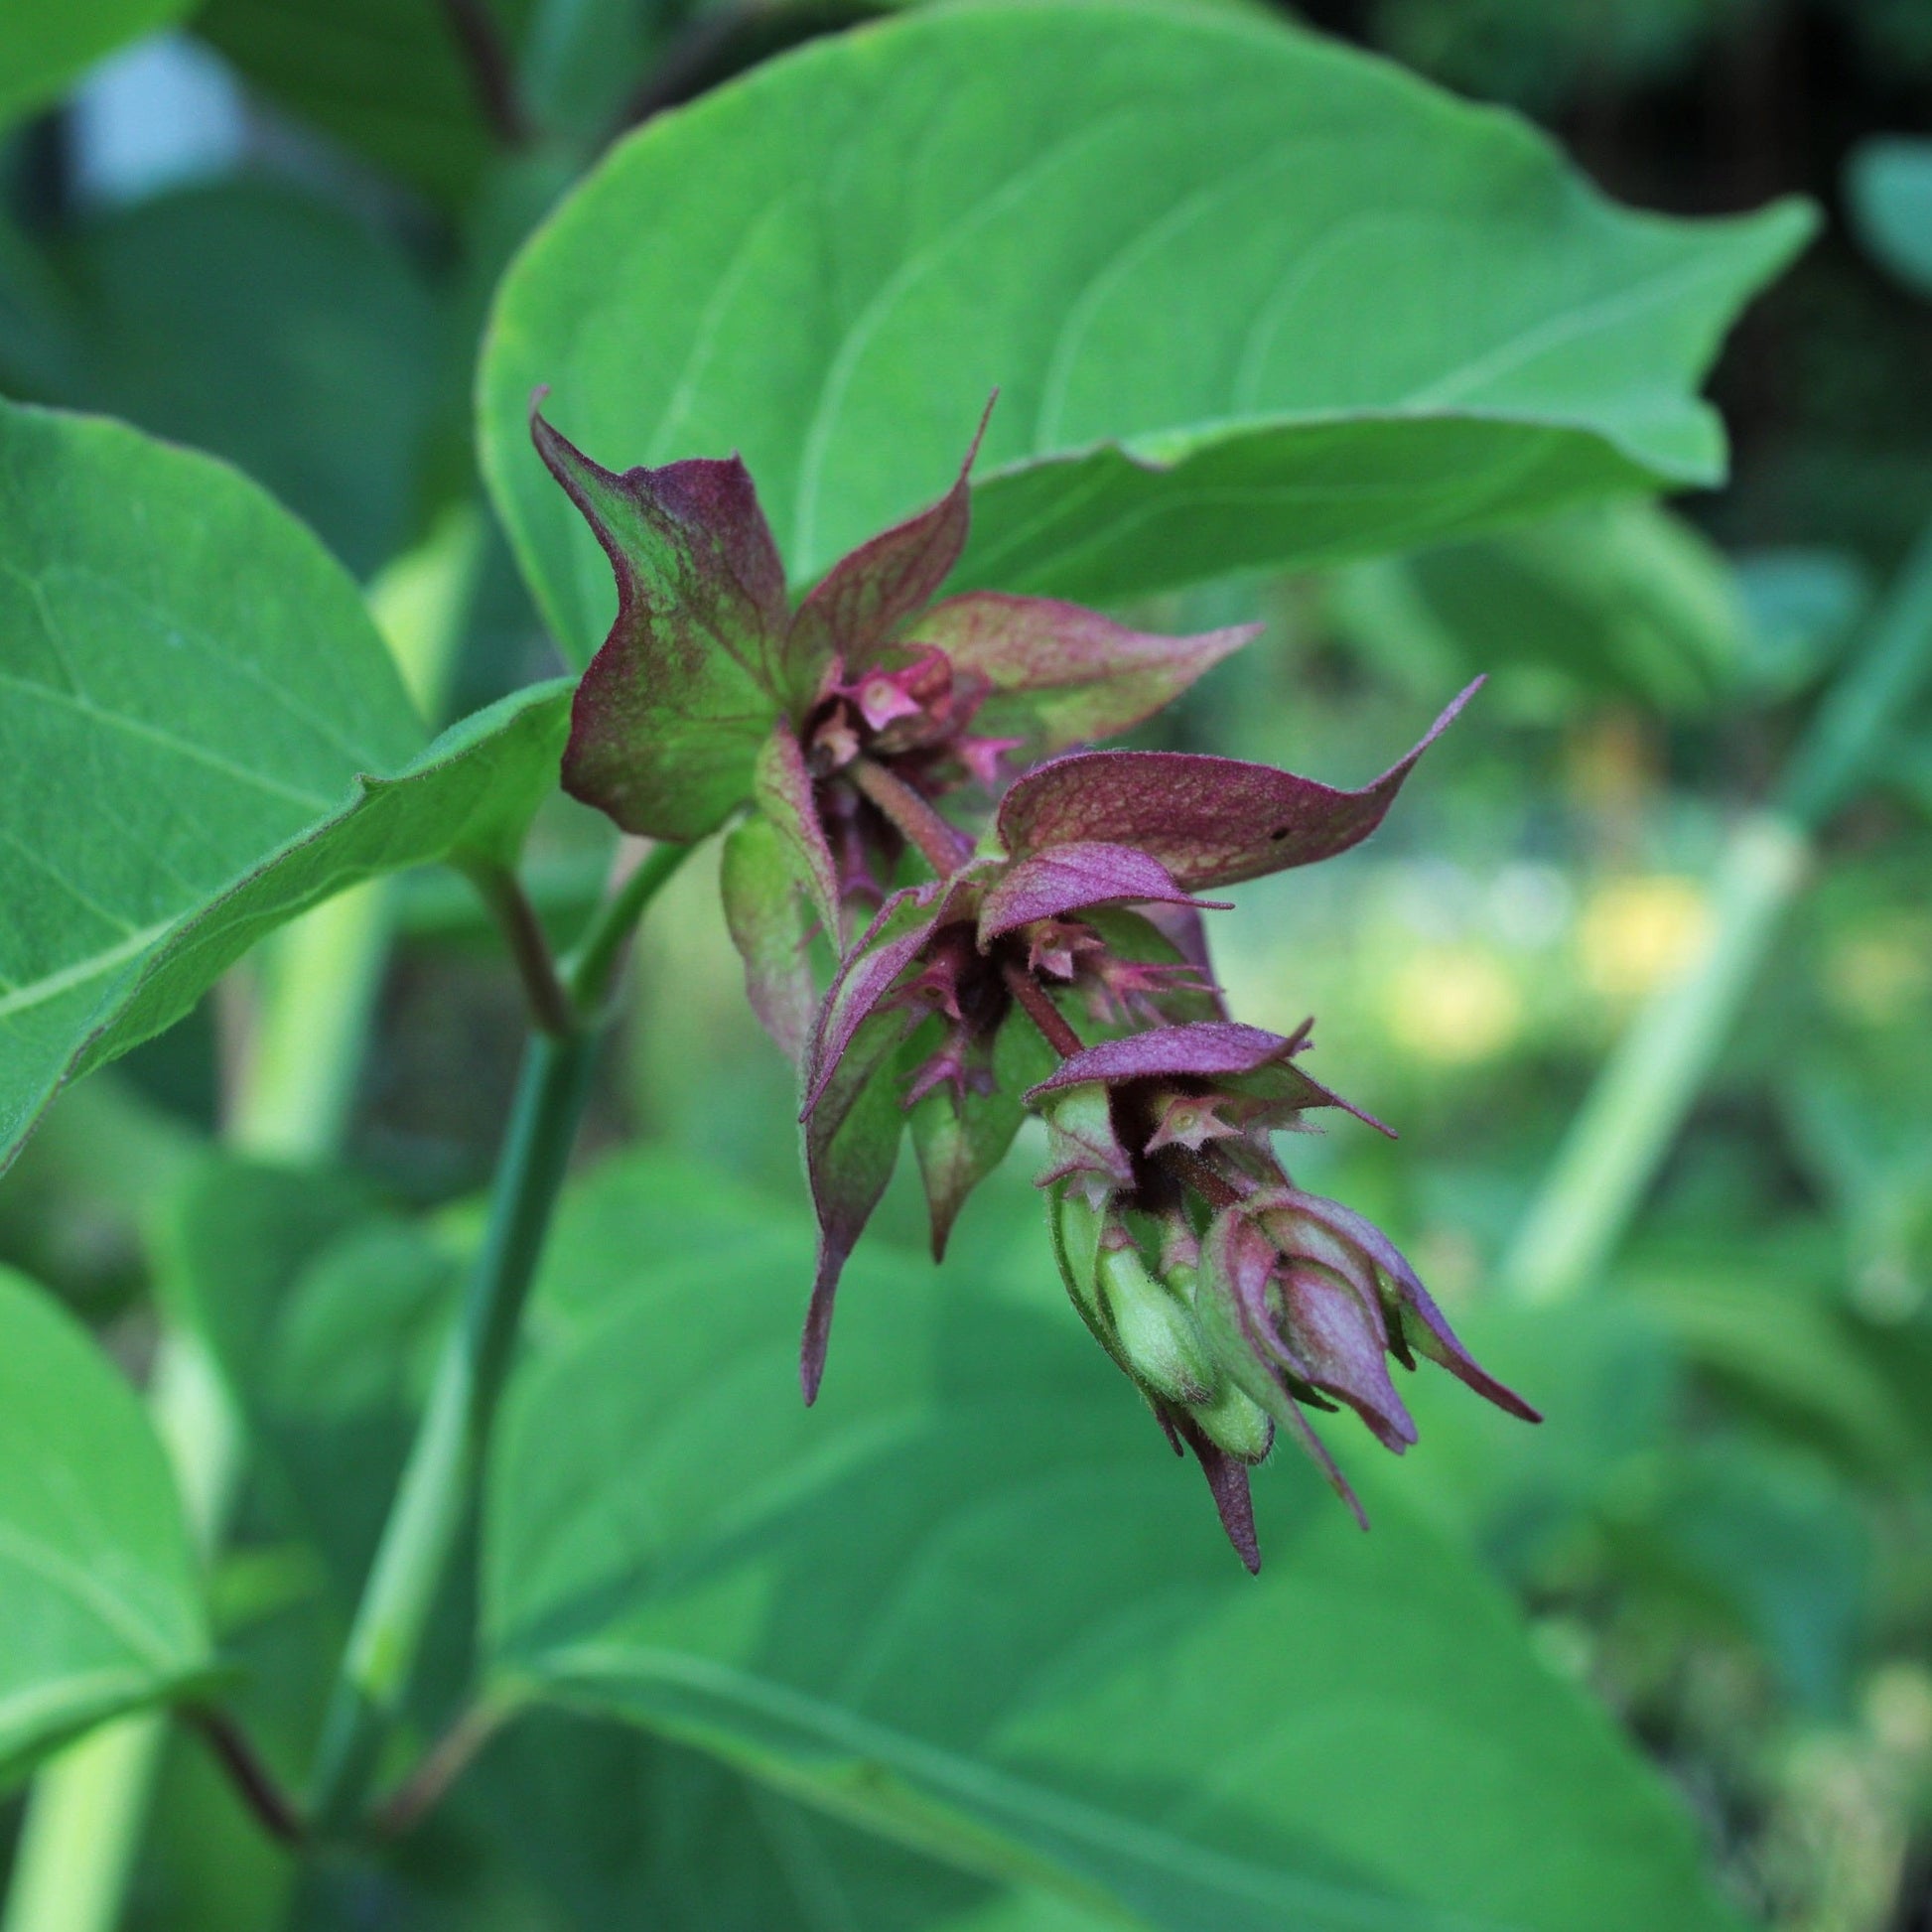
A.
pixel 1016 925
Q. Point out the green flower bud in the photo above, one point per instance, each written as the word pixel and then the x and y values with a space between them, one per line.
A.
pixel 1075 1224
pixel 1082 1145
pixel 1236 1423
pixel 1158 1340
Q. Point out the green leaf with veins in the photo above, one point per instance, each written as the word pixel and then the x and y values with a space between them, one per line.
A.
pixel 203 736
pixel 627 1830
pixel 969 1601
pixel 1250 300
pixel 100 1595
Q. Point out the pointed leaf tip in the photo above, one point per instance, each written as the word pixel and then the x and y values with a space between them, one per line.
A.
pixel 1228 1482
pixel 816 1339
pixel 1210 822
pixel 675 702
pixel 855 609
pixel 1059 674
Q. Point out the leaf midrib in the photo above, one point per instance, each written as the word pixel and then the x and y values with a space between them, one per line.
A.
pixel 989 1791
pixel 33 992
pixel 168 741
pixel 72 1579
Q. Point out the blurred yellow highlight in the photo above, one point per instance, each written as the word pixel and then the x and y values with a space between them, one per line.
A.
pixel 1453 1005
pixel 1636 933
pixel 1879 977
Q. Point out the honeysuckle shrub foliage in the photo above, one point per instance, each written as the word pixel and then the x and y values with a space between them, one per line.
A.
pixel 942 1007
pixel 1246 302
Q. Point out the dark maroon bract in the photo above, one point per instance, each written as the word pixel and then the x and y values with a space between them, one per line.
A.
pixel 841 722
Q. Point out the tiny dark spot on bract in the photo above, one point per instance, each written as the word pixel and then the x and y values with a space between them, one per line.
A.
pixel 1279 832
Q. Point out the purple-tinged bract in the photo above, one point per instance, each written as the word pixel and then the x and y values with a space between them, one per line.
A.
pixel 1059 967
pixel 843 720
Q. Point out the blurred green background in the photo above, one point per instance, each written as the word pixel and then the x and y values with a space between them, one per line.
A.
pixel 271 234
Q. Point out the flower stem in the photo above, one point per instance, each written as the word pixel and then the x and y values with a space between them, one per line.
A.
pixel 523 939
pixel 1214 1189
pixel 942 846
pixel 251 1776
pixel 1644 1092
pixel 1038 1007
pixel 589 972
pixel 439 1767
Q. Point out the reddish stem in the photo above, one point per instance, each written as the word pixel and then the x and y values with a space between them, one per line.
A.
pixel 529 948
pixel 446 1762
pixel 1200 1175
pixel 491 74
pixel 943 847
pixel 1041 1010
pixel 273 1808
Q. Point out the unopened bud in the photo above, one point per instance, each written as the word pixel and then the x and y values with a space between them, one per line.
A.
pixel 1179 1263
pixel 1158 1340
pixel 1075 1224
pixel 1082 1145
pixel 1236 1422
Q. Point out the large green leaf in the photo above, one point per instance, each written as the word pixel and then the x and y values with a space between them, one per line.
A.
pixel 625 1830
pixel 100 1597
pixel 1249 299
pixel 197 708
pixel 970 1602
pixel 45 45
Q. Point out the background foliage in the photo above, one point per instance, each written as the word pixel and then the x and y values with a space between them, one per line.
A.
pixel 959 1650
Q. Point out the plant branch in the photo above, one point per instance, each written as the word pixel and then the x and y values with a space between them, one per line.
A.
pixel 510 906
pixel 1644 1092
pixel 439 1484
pixel 264 1796
pixel 491 73
pixel 943 847
pixel 592 969
pixel 438 1769
pixel 1038 1007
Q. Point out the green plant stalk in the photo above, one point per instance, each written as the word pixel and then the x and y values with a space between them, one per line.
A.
pixel 439 1484
pixel 1646 1088
pixel 87 1809
pixel 592 969
pixel 1644 1092
pixel 438 1491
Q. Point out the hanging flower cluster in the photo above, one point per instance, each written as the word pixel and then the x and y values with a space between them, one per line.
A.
pixel 1016 929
